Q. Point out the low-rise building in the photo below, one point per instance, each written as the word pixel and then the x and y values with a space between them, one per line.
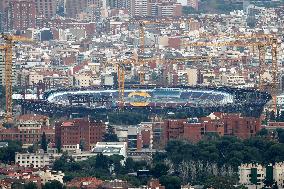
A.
pixel 195 130
pixel 253 175
pixel 29 129
pixel 111 148
pixel 86 182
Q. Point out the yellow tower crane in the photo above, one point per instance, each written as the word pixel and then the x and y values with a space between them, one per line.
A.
pixel 261 45
pixel 8 50
pixel 142 25
pixel 121 69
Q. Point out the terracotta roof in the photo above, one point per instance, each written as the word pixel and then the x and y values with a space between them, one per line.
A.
pixel 67 124
pixel 91 181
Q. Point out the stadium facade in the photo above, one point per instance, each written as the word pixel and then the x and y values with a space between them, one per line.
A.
pixel 188 100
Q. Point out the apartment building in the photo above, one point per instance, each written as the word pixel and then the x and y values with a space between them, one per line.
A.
pixel 45 9
pixel 29 130
pixel 74 7
pixel 37 160
pixel 138 7
pixel 83 132
pixel 21 15
pixel 253 175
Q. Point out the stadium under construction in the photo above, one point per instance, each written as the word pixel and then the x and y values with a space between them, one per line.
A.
pixel 191 101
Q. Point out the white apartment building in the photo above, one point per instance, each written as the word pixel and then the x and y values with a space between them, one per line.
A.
pixel 38 159
pixel 82 80
pixel 248 172
pixel 232 80
pixel 280 102
pixel 138 7
pixel 253 175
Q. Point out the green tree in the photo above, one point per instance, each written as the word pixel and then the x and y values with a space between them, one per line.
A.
pixel 54 184
pixel 219 183
pixel 170 182
pixel 30 185
pixel 110 135
pixel 263 132
pixel 281 117
pixel 63 163
pixel 101 161
pixel 280 134
pixel 272 116
pixel 82 144
pixel 129 165
pixel 7 154
pixel 17 185
pixel 159 170
pixel 58 144
pixel 43 142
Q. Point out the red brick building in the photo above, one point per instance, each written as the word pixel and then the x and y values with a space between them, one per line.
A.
pixel 21 15
pixel 29 129
pixel 72 133
pixel 155 184
pixel 242 127
pixel 223 124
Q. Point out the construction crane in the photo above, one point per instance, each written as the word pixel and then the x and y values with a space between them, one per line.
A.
pixel 142 25
pixel 261 45
pixel 8 50
pixel 121 69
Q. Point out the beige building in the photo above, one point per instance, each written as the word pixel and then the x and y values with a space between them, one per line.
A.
pixel 38 159
pixel 192 76
pixel 82 80
pixel 232 80
pixel 35 78
pixel 253 175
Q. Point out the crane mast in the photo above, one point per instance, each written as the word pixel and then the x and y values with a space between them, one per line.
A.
pixel 8 50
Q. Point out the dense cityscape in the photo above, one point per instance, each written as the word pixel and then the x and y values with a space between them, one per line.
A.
pixel 141 94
